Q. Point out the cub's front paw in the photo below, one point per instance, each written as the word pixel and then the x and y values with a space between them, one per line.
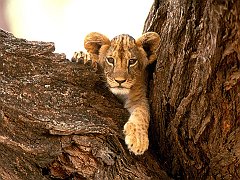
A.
pixel 83 58
pixel 80 57
pixel 136 138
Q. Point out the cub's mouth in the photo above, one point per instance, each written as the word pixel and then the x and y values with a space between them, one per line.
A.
pixel 120 86
pixel 120 90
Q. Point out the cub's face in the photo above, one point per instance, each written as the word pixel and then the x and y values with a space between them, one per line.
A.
pixel 123 63
pixel 123 59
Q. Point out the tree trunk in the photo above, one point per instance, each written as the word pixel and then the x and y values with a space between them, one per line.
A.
pixel 59 121
pixel 195 90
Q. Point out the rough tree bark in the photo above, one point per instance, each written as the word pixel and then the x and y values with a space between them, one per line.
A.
pixel 59 121
pixel 195 91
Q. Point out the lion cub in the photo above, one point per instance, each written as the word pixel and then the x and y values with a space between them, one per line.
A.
pixel 124 60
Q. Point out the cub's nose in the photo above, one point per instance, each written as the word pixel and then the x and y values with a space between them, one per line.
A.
pixel 120 81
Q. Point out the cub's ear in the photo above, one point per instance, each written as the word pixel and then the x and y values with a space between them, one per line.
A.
pixel 93 42
pixel 149 42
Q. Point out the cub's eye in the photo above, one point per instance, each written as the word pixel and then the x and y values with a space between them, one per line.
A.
pixel 132 62
pixel 110 60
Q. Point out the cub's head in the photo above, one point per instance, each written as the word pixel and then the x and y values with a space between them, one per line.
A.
pixel 123 59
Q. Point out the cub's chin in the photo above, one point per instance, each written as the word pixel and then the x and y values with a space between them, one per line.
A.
pixel 120 91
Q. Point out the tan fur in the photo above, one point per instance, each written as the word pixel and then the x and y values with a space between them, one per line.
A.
pixel 124 60
pixel 80 56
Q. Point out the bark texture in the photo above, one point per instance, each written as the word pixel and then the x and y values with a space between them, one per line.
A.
pixel 59 121
pixel 195 91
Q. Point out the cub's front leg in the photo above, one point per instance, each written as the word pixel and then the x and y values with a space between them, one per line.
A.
pixel 136 129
